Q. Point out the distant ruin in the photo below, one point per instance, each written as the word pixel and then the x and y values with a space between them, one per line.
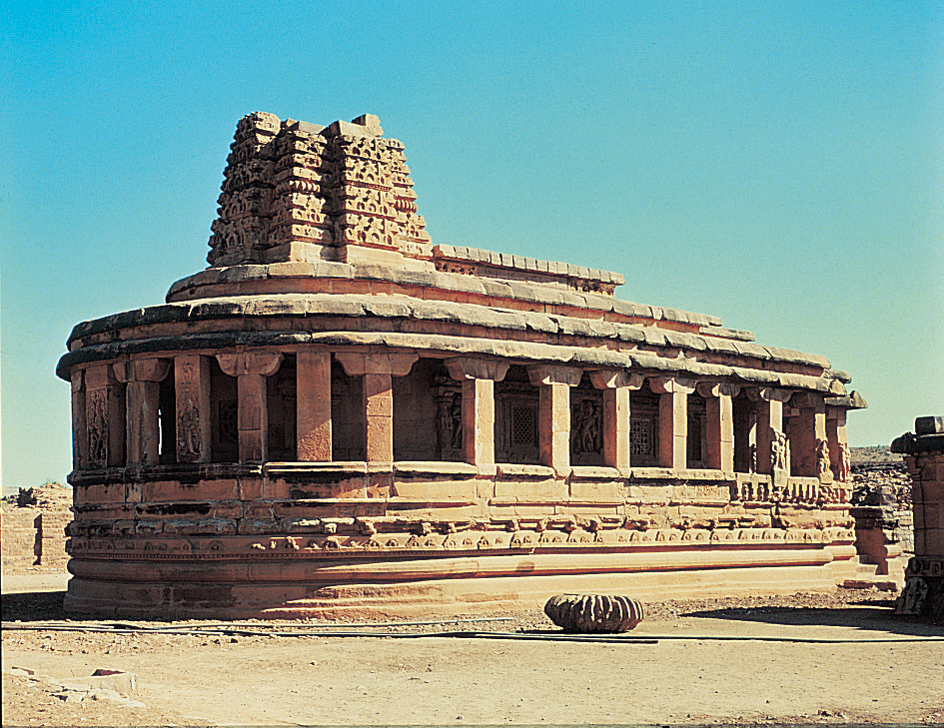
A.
pixel 339 418
pixel 923 594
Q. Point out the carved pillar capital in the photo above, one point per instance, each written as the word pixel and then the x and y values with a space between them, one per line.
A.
pixel 546 374
pixel 141 370
pixel 263 363
pixel 672 385
pixel 357 364
pixel 616 379
pixel 462 367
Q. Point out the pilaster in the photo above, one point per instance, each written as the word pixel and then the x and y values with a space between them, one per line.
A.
pixel 105 417
pixel 79 421
pixel 478 377
pixel 719 422
pixel 192 393
pixel 673 419
pixel 771 442
pixel 617 407
pixel 378 371
pixel 142 378
pixel 554 383
pixel 313 387
pixel 251 369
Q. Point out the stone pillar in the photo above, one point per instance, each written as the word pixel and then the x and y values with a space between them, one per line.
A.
pixel 924 456
pixel 105 417
pixel 142 379
pixel 478 377
pixel 79 422
pixel 251 369
pixel 769 424
pixel 719 422
pixel 377 371
pixel 673 419
pixel 616 386
pixel 313 387
pixel 192 393
pixel 838 443
pixel 809 440
pixel 554 383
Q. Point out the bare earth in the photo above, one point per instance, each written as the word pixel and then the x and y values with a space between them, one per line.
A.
pixel 267 680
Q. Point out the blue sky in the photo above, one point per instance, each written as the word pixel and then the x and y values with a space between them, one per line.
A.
pixel 780 165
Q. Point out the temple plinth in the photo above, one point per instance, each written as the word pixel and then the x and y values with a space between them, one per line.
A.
pixel 339 418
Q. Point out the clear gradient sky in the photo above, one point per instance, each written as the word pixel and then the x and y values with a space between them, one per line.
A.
pixel 778 164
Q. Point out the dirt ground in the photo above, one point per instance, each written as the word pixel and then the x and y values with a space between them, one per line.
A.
pixel 703 668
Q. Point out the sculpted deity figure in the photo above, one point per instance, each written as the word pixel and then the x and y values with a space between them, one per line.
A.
pixel 843 467
pixel 778 450
pixel 822 462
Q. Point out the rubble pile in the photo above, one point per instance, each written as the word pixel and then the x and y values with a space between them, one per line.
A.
pixel 881 496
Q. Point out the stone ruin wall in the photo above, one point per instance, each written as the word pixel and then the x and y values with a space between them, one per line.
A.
pixel 33 528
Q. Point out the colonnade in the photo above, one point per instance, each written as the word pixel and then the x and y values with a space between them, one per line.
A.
pixel 119 420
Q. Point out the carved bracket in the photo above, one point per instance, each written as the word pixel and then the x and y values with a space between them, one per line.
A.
pixel 551 374
pixel 672 385
pixel 467 368
pixel 265 363
pixel 707 389
pixel 356 364
pixel 616 379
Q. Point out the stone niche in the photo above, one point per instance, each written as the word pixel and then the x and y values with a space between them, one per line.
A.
pixel 339 418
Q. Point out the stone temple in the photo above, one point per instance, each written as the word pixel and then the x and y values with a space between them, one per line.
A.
pixel 338 418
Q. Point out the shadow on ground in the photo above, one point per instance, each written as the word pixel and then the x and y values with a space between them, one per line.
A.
pixel 876 616
pixel 41 606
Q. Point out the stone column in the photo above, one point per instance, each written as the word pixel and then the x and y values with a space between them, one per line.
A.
pixel 313 387
pixel 142 379
pixel 251 369
pixel 769 424
pixel 554 383
pixel 377 371
pixel 192 393
pixel 79 422
pixel 673 419
pixel 838 443
pixel 810 437
pixel 616 386
pixel 478 377
pixel 105 417
pixel 719 422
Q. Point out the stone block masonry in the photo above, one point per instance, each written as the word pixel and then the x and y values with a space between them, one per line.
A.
pixel 339 418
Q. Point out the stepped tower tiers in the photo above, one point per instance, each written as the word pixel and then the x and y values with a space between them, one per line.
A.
pixel 338 418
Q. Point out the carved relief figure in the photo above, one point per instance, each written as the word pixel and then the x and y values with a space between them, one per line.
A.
pixel 587 434
pixel 843 466
pixel 778 450
pixel 822 462
pixel 188 432
pixel 98 428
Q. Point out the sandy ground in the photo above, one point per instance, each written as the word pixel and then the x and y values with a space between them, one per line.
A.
pixel 687 677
